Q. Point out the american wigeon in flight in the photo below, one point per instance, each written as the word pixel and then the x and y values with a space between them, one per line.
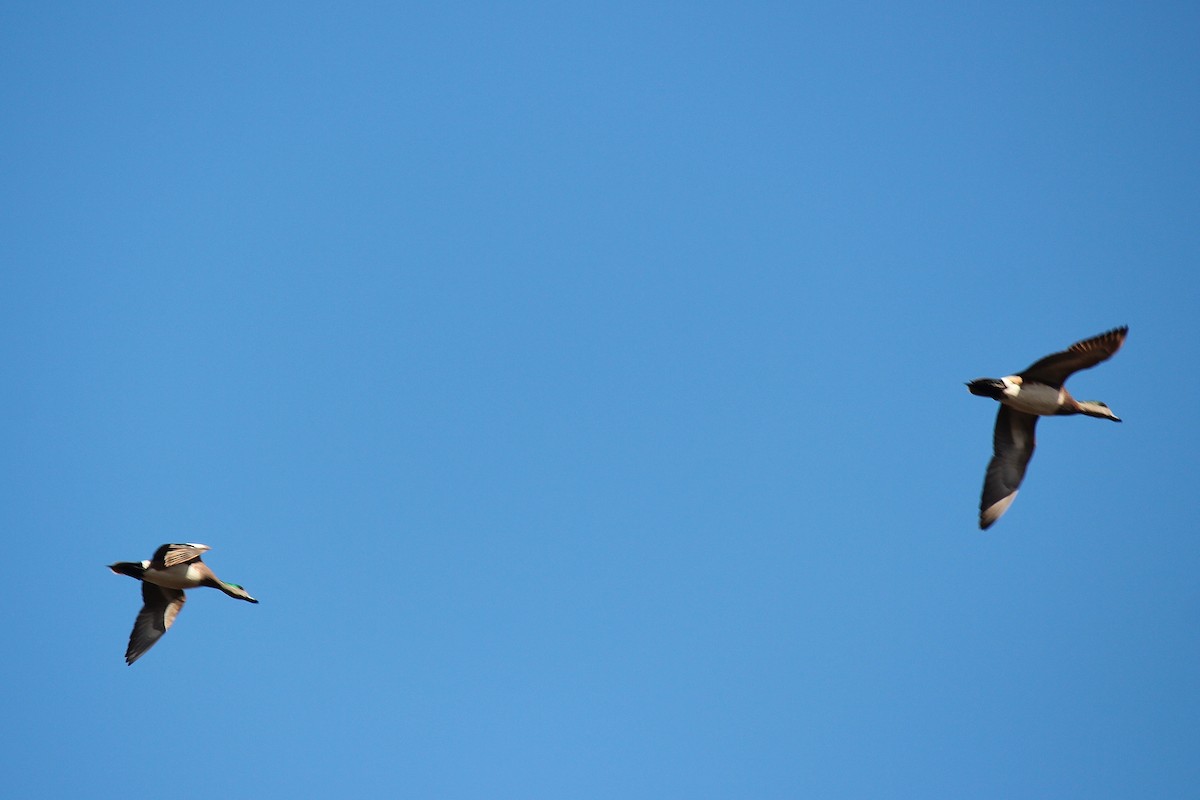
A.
pixel 1037 391
pixel 175 567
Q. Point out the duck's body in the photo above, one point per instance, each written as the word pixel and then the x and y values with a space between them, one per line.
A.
pixel 1036 392
pixel 1031 398
pixel 1038 399
pixel 180 576
pixel 173 568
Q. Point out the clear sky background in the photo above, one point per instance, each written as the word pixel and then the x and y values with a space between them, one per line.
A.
pixel 580 389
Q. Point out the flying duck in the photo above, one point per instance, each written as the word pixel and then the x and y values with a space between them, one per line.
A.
pixel 1037 391
pixel 175 567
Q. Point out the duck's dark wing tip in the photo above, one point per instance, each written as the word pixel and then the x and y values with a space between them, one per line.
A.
pixel 1055 368
pixel 1013 443
pixel 160 607
pixel 1105 343
pixel 993 508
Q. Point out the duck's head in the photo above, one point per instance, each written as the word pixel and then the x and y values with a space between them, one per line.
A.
pixel 236 590
pixel 1094 408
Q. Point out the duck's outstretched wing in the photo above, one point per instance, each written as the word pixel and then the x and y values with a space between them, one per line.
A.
pixel 1055 369
pixel 160 607
pixel 180 553
pixel 1012 447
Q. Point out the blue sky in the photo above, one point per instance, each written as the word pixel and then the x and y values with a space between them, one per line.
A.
pixel 579 388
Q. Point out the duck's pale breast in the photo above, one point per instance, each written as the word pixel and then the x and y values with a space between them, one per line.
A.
pixel 1032 398
pixel 180 576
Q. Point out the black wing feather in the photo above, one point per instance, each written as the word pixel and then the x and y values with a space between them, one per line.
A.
pixel 1012 447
